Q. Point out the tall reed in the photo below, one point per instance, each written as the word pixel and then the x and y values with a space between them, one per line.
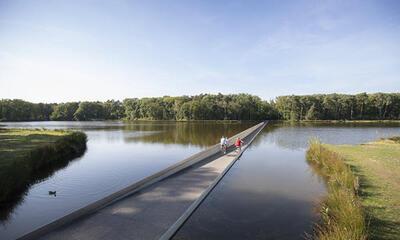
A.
pixel 342 216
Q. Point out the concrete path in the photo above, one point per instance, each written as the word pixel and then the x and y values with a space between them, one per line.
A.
pixel 150 212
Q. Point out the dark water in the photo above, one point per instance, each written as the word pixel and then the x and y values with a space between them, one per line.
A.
pixel 271 193
pixel 118 154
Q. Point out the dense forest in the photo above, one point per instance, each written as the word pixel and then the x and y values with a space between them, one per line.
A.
pixel 363 106
pixel 377 106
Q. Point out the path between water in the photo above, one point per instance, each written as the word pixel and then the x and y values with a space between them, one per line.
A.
pixel 156 210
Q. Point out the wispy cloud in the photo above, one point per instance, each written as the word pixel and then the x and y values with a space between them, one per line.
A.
pixel 124 49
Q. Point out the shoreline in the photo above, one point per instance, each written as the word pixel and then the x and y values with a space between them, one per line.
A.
pixel 341 213
pixel 220 120
pixel 35 155
pixel 364 175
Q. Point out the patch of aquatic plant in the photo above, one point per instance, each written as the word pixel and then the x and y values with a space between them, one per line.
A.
pixel 342 216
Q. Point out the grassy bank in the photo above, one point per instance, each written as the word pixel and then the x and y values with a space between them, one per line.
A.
pixel 342 216
pixel 377 164
pixel 363 184
pixel 28 156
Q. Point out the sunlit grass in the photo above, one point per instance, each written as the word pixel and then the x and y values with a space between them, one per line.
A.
pixel 363 184
pixel 28 155
pixel 377 165
pixel 342 216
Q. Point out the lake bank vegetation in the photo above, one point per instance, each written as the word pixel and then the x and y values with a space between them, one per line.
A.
pixel 31 155
pixel 363 189
pixel 377 165
pixel 342 216
pixel 363 106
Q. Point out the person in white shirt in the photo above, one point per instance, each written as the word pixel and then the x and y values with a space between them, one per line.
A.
pixel 226 142
pixel 223 143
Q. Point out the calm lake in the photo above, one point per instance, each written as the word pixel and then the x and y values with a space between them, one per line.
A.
pixel 269 193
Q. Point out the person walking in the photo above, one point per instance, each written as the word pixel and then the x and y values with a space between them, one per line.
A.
pixel 238 143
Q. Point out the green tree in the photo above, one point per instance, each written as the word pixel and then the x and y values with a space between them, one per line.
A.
pixel 64 111
pixel 185 112
pixel 132 108
pixel 212 107
pixel 312 113
pixel 113 110
pixel 89 111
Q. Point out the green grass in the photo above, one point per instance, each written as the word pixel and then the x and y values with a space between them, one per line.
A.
pixel 377 165
pixel 15 143
pixel 29 156
pixel 342 216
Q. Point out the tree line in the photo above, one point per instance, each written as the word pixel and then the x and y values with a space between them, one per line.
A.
pixel 363 106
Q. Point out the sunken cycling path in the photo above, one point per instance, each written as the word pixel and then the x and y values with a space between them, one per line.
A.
pixel 155 207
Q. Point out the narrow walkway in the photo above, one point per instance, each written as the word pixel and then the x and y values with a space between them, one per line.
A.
pixel 149 213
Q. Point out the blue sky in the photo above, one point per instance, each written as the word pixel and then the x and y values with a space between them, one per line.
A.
pixel 54 51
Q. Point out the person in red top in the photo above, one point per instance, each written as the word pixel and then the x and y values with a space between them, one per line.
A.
pixel 238 143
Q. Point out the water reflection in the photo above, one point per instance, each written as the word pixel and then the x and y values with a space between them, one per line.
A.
pixel 296 135
pixel 118 154
pixel 6 208
pixel 201 134
pixel 271 192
